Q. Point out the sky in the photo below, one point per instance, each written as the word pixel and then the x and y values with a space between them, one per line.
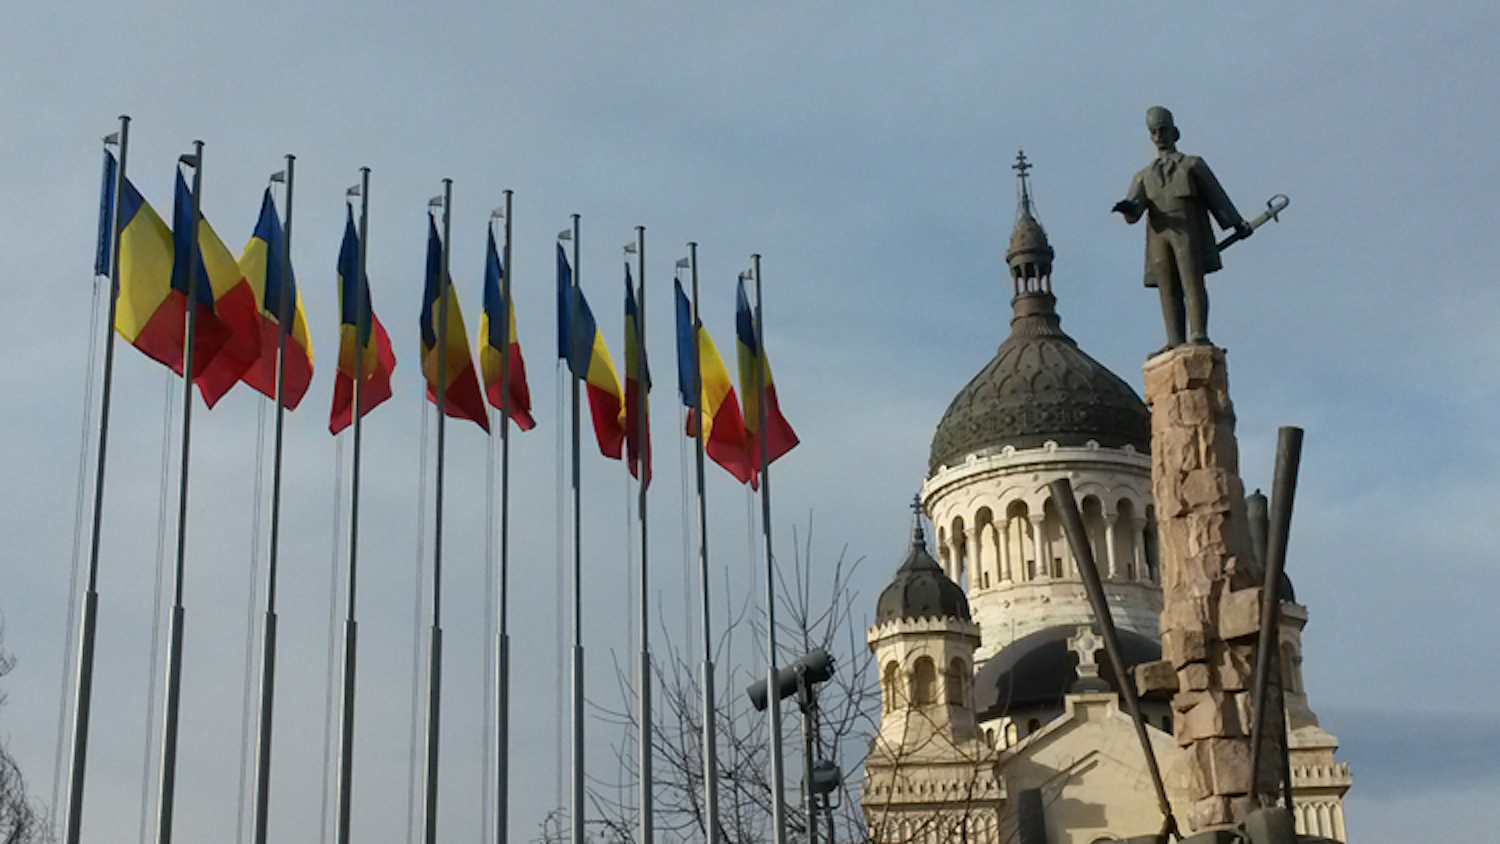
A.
pixel 864 150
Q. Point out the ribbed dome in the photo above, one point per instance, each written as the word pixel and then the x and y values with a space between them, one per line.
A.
pixel 920 589
pixel 1040 386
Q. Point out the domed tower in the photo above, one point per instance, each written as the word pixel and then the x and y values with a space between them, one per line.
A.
pixel 1039 410
pixel 928 776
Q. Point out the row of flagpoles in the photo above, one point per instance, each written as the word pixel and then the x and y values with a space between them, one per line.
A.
pixel 180 297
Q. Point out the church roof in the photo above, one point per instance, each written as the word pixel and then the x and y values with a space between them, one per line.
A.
pixel 1040 669
pixel 920 589
pixel 1039 386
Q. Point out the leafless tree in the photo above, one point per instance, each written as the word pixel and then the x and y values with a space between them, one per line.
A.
pixel 22 819
pixel 813 612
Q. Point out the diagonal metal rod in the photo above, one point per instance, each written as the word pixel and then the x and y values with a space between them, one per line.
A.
pixel 1078 541
pixel 167 788
pixel 84 688
pixel 1283 491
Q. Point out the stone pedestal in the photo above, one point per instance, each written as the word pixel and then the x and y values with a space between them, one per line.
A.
pixel 1209 577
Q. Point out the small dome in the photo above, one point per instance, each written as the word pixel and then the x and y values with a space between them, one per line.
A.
pixel 1040 669
pixel 920 589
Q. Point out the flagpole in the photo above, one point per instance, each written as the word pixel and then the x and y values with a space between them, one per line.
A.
pixel 710 731
pixel 268 641
pixel 435 657
pixel 502 715
pixel 84 687
pixel 577 809
pixel 345 782
pixel 773 710
pixel 642 433
pixel 174 657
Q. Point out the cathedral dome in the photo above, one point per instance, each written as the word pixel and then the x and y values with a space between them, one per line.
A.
pixel 1040 669
pixel 1039 386
pixel 920 589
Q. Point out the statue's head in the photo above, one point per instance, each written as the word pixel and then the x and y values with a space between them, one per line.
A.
pixel 1163 130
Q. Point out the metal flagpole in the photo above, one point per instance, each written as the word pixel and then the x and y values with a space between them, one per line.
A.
pixel 643 427
pixel 284 315
pixel 773 709
pixel 174 656
pixel 84 688
pixel 440 395
pixel 710 731
pixel 351 627
pixel 576 810
pixel 502 715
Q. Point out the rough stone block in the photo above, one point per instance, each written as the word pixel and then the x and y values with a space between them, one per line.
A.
pixel 1232 670
pixel 1179 447
pixel 1184 646
pixel 1183 615
pixel 1239 613
pixel 1209 489
pixel 1210 812
pixel 1158 676
pixel 1225 763
pixel 1200 366
pixel 1195 676
pixel 1192 409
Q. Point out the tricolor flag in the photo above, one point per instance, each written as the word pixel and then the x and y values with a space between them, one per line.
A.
pixel 152 310
pixel 460 387
pixel 363 343
pixel 780 438
pixel 261 264
pixel 234 300
pixel 588 358
pixel 709 395
pixel 497 338
pixel 637 388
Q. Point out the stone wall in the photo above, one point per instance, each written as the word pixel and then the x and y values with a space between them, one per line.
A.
pixel 1210 580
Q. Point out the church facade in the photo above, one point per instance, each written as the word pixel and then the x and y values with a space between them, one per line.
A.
pixel 1001 719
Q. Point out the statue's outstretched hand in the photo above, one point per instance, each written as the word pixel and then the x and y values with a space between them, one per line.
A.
pixel 1127 207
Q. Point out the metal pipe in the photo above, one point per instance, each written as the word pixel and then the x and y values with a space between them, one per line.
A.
pixel 710 729
pixel 502 714
pixel 1283 491
pixel 1078 540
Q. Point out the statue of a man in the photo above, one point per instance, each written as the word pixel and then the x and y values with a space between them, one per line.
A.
pixel 1177 193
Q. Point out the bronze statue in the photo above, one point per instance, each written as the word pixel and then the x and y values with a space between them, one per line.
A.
pixel 1177 193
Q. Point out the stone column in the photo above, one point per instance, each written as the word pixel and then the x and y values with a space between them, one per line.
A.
pixel 976 560
pixel 1039 546
pixel 1210 593
pixel 1002 553
pixel 1109 546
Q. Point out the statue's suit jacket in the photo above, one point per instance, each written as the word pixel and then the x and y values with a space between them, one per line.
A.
pixel 1177 208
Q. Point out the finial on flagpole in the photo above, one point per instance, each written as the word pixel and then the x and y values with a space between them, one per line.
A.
pixel 498 213
pixel 278 176
pixel 630 248
pixel 435 202
pixel 112 139
pixel 352 192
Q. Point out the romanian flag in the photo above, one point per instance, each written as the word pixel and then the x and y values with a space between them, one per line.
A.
pixel 637 388
pixel 588 358
pixel 364 349
pixel 234 300
pixel 460 384
pixel 261 264
pixel 709 396
pixel 780 438
pixel 152 311
pixel 497 341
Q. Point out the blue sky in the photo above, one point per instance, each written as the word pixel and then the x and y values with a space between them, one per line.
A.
pixel 864 151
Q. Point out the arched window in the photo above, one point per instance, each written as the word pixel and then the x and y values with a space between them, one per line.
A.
pixel 960 564
pixel 924 682
pixel 1053 541
pixel 1125 539
pixel 1010 734
pixel 1153 565
pixel 956 685
pixel 890 686
pixel 1093 526
pixel 1032 726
